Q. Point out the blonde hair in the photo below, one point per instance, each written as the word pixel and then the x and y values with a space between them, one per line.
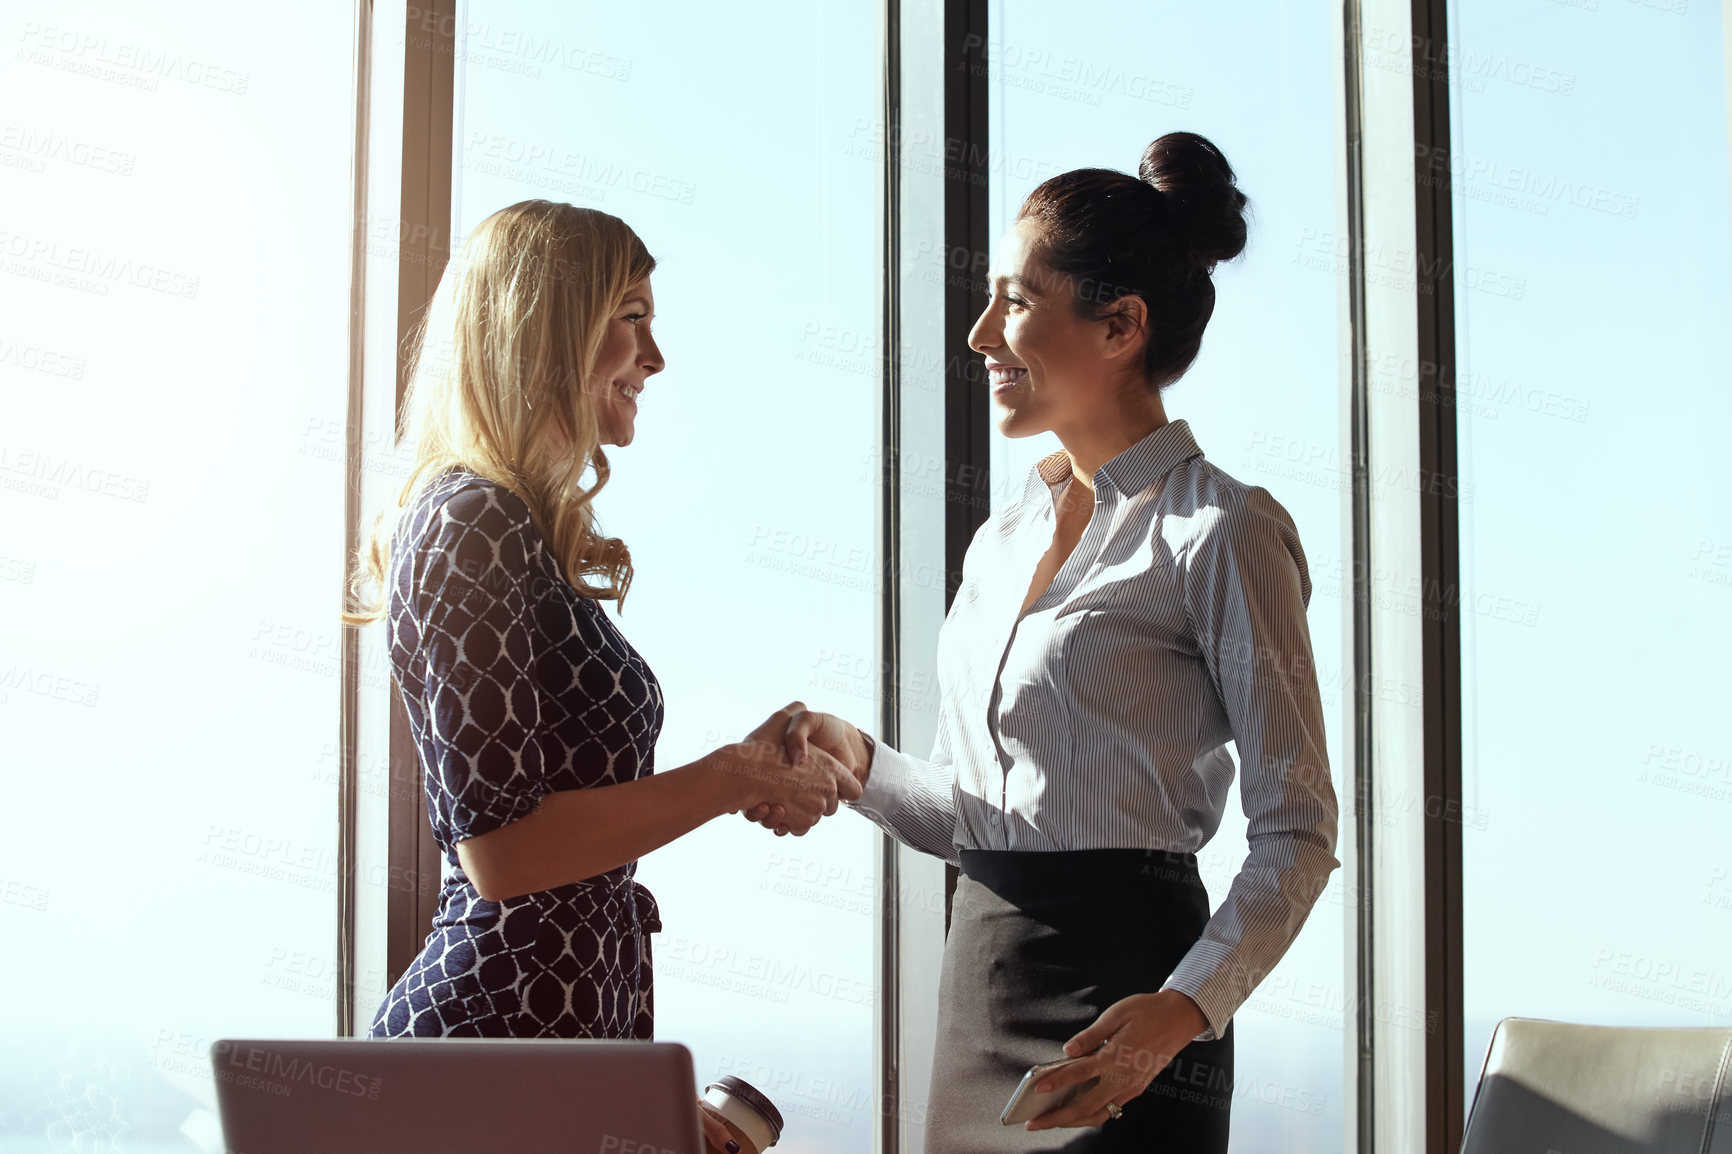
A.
pixel 497 384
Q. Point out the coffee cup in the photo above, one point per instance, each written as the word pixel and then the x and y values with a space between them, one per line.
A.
pixel 752 1119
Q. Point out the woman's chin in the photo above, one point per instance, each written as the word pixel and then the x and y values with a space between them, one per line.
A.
pixel 1013 422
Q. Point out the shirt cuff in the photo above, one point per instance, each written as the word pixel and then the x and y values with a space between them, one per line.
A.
pixel 886 781
pixel 1196 978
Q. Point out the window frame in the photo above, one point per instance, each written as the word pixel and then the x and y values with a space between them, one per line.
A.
pixel 1405 861
pixel 349 662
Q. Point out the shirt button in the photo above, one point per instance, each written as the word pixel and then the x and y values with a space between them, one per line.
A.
pixel 993 817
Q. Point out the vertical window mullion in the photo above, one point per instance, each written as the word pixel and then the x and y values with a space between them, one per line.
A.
pixel 1407 850
pixel 424 229
pixel 1361 836
pixel 890 1090
pixel 966 207
pixel 349 702
pixel 1441 574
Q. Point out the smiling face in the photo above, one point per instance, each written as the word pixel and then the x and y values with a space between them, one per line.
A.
pixel 1049 369
pixel 628 357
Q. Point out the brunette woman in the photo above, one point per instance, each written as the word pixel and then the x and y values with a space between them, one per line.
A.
pixel 1135 610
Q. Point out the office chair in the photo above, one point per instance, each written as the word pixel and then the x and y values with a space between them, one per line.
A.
pixel 1559 1088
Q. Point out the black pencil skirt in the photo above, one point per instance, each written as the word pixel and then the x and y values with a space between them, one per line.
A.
pixel 1039 945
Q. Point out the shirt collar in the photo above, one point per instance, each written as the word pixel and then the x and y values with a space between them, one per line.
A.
pixel 1137 467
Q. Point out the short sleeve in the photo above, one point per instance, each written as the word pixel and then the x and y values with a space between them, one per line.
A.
pixel 483 746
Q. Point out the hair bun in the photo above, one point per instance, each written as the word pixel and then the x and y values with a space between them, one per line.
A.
pixel 1205 205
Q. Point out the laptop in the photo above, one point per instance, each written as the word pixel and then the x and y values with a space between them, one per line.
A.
pixel 462 1095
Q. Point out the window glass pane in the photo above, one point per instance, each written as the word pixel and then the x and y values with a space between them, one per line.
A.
pixel 1592 291
pixel 1084 88
pixel 174 290
pixel 749 498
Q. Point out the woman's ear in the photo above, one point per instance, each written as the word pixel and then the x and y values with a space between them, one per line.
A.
pixel 1124 327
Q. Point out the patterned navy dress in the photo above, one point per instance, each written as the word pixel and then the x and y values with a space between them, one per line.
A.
pixel 515 685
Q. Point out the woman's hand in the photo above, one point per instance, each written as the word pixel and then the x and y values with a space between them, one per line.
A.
pixel 715 1133
pixel 1130 1043
pixel 831 735
pixel 760 776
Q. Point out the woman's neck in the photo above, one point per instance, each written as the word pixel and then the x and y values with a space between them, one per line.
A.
pixel 1104 437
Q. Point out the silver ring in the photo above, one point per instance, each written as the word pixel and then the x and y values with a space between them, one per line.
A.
pixel 1114 1109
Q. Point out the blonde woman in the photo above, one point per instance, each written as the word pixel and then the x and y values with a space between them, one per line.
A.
pixel 534 718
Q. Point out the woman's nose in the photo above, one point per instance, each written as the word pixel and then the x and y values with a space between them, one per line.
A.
pixel 986 334
pixel 652 356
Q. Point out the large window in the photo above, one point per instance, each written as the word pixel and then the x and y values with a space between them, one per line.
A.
pixel 750 496
pixel 174 276
pixel 1074 88
pixel 177 430
pixel 1593 283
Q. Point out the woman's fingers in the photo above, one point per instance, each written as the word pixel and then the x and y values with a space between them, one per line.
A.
pixel 808 730
pixel 1125 1049
pixel 809 791
pixel 802 781
pixel 799 733
pixel 715 1131
pixel 770 816
pixel 1056 1119
pixel 1090 1067
pixel 1089 1106
pixel 834 778
pixel 1112 1019
pixel 775 725
pixel 842 779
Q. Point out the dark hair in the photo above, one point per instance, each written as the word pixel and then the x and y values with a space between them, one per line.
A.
pixel 1157 238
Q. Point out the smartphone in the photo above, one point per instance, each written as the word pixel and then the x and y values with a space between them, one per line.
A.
pixel 1027 1104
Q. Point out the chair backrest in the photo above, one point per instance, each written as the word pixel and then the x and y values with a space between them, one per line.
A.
pixel 1555 1086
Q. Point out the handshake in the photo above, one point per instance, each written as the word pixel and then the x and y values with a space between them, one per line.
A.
pixel 795 768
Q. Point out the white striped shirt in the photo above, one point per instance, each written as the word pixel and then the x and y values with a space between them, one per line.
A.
pixel 1099 719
